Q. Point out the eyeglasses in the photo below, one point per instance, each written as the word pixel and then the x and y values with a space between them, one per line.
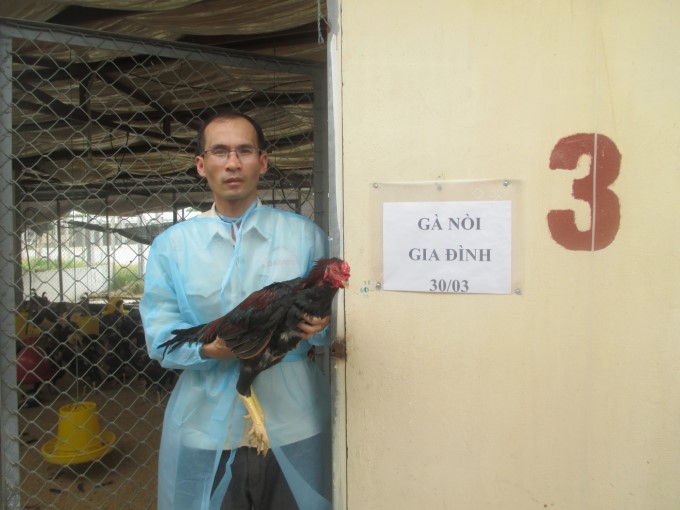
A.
pixel 244 152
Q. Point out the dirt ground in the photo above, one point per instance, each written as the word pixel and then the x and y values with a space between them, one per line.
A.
pixel 124 478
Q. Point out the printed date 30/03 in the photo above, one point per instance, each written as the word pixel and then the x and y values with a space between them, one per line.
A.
pixel 443 285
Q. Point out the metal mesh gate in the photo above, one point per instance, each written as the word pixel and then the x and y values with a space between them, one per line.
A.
pixel 96 158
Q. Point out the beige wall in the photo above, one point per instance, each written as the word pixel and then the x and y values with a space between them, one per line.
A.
pixel 569 395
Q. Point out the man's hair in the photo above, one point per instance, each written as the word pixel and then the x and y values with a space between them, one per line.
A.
pixel 228 115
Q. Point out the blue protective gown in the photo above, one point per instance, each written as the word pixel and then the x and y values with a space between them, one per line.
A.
pixel 197 272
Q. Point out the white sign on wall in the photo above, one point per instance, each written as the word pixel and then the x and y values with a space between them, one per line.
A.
pixel 456 247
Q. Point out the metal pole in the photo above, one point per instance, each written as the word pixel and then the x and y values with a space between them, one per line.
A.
pixel 9 429
pixel 60 262
pixel 338 366
pixel 320 171
pixel 108 250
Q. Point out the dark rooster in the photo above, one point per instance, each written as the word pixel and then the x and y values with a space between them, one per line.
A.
pixel 263 328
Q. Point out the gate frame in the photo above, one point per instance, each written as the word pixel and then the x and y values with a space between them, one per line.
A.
pixel 326 184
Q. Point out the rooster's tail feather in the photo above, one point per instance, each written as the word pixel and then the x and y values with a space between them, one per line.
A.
pixel 183 336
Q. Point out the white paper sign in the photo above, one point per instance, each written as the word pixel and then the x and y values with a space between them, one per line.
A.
pixel 458 247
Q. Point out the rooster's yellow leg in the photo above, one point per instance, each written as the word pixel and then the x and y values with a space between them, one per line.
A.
pixel 258 432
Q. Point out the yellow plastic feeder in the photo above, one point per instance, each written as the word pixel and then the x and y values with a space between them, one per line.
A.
pixel 24 328
pixel 78 438
pixel 88 324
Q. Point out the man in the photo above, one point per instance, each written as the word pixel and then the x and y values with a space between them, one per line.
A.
pixel 197 271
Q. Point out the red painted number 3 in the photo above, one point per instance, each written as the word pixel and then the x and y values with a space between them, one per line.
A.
pixel 605 210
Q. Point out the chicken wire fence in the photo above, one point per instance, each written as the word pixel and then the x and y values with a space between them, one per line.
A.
pixel 96 159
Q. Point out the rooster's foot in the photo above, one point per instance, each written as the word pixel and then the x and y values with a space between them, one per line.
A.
pixel 258 433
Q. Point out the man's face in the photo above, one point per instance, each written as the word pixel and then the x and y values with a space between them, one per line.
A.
pixel 232 178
